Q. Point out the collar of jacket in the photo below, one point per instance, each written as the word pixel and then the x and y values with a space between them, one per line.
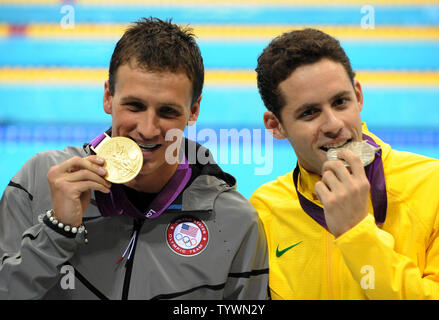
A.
pixel 375 174
pixel 308 180
pixel 207 180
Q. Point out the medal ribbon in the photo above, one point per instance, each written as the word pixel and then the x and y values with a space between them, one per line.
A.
pixel 116 202
pixel 94 143
pixel 375 175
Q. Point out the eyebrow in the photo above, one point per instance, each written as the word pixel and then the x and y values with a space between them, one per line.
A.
pixel 311 105
pixel 341 94
pixel 304 107
pixel 131 98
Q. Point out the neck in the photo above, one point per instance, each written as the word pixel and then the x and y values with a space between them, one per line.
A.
pixel 307 181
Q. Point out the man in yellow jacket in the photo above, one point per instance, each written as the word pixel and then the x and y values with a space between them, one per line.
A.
pixel 341 229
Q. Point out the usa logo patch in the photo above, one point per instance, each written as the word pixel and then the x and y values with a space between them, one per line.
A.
pixel 187 236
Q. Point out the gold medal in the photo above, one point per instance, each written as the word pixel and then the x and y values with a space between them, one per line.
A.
pixel 364 150
pixel 123 158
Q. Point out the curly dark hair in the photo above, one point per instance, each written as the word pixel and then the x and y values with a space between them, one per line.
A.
pixel 289 51
pixel 158 45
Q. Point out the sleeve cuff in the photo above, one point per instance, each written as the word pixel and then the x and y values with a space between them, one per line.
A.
pixel 57 229
pixel 357 229
pixel 365 229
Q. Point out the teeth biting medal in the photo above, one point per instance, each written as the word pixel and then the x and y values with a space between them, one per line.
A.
pixel 123 158
pixel 363 149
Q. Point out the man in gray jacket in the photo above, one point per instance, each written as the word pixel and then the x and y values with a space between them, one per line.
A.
pixel 178 230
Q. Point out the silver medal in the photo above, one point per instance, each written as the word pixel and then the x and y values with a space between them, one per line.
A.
pixel 363 149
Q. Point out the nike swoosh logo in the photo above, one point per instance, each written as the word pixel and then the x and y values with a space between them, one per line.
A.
pixel 280 253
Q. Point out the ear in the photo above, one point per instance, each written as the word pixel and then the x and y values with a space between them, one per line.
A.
pixel 358 94
pixel 194 112
pixel 108 98
pixel 273 124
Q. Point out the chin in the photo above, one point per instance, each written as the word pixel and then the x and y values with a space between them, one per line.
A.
pixel 148 168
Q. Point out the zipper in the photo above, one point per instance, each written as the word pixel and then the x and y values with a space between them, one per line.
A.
pixel 137 224
pixel 329 270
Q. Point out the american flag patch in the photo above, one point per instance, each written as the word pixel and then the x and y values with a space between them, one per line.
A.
pixel 188 230
pixel 187 236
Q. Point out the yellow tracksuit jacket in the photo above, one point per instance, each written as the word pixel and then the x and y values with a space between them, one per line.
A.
pixel 399 260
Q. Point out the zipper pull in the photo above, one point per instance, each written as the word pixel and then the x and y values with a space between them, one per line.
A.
pixel 130 246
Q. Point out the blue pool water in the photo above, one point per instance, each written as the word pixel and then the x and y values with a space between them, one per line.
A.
pixel 37 117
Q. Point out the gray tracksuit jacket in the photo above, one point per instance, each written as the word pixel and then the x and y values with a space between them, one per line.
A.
pixel 37 262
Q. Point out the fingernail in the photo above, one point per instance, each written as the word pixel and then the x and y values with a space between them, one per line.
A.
pixel 100 160
pixel 102 171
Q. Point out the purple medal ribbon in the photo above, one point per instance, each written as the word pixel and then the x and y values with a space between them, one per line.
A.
pixel 116 202
pixel 375 175
pixel 94 143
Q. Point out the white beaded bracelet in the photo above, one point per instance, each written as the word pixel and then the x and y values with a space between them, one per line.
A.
pixel 66 228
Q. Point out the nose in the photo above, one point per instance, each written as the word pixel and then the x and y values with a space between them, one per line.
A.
pixel 148 126
pixel 331 125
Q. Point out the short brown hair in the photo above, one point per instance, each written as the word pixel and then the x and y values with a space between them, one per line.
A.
pixel 159 45
pixel 289 51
